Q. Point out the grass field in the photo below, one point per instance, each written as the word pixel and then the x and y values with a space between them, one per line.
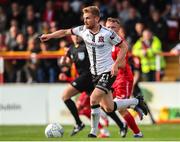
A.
pixel 168 132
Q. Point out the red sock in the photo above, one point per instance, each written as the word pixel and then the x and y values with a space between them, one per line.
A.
pixel 86 112
pixel 100 126
pixel 131 122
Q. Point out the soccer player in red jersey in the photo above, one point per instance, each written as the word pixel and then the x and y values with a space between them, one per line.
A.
pixel 124 81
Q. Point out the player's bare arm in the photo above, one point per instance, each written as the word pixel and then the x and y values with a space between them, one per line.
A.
pixel 120 61
pixel 56 34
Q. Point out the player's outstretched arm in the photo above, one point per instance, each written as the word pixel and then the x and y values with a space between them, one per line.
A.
pixel 56 34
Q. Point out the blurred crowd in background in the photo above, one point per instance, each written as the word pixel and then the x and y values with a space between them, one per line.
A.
pixel 22 22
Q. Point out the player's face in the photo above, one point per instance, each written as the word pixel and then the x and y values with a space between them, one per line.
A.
pixel 112 25
pixel 89 20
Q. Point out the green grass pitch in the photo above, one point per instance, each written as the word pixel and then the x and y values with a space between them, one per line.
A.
pixel 165 132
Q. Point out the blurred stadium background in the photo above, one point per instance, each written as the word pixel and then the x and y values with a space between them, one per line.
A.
pixel 29 85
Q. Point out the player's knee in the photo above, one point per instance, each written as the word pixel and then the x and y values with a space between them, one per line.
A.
pixel 108 109
pixel 93 102
pixel 122 112
pixel 65 97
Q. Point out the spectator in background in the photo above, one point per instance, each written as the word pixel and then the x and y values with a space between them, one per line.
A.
pixel 65 69
pixel 19 65
pixel 67 16
pixel 109 9
pixel 159 27
pixel 15 13
pixel 48 67
pixel 64 63
pixel 11 38
pixel 44 27
pixel 143 6
pixel 14 22
pixel 139 27
pixel 3 47
pixel 54 42
pixel 131 22
pixel 164 7
pixel 31 33
pixel 11 43
pixel 32 66
pixel 146 48
pixel 175 10
pixel 49 13
pixel 31 19
pixel 124 14
pixel 76 6
pixel 3 20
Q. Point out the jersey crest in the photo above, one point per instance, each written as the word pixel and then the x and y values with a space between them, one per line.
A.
pixel 81 56
pixel 101 39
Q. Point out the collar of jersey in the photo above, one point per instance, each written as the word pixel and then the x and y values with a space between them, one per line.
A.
pixel 96 32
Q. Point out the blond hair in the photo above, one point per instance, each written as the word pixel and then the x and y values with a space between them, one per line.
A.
pixel 114 20
pixel 94 10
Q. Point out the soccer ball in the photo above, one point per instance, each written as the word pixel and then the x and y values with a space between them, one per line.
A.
pixel 54 130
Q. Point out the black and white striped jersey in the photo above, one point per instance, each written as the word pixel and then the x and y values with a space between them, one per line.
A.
pixel 99 47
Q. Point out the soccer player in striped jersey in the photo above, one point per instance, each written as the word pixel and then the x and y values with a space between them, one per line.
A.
pixel 99 42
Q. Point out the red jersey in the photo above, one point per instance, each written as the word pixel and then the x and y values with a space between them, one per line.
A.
pixel 123 72
pixel 124 81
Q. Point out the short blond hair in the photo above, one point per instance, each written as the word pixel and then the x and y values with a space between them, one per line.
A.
pixel 94 10
pixel 114 20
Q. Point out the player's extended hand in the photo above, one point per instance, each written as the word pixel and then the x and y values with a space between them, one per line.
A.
pixel 114 70
pixel 45 37
pixel 122 64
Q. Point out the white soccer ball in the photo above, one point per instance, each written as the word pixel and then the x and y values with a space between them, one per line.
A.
pixel 54 130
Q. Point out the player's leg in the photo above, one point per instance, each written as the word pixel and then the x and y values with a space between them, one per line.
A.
pixel 103 124
pixel 69 92
pixel 95 99
pixel 137 92
pixel 74 88
pixel 107 100
pixel 102 94
pixel 131 122
pixel 83 105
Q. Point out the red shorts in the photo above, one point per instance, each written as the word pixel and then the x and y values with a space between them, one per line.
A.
pixel 83 101
pixel 122 87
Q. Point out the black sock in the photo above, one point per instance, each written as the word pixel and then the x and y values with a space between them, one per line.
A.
pixel 73 109
pixel 116 119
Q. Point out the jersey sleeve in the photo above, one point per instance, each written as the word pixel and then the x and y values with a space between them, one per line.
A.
pixel 77 30
pixel 115 39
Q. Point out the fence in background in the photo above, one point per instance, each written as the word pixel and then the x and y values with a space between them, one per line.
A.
pixel 57 54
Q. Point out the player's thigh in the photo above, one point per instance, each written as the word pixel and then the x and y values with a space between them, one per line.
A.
pixel 107 102
pixel 69 92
